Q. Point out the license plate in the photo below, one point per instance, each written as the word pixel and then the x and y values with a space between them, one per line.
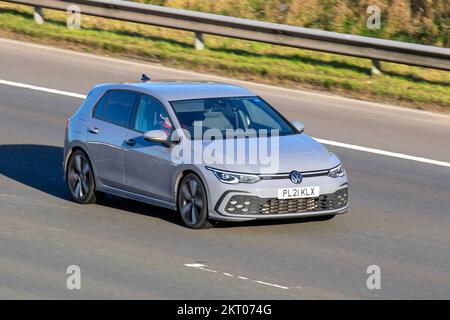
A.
pixel 301 192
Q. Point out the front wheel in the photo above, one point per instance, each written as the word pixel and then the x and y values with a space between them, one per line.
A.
pixel 192 203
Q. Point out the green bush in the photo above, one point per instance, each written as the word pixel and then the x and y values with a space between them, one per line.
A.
pixel 289 67
pixel 418 21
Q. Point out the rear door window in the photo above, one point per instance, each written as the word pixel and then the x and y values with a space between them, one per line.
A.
pixel 116 107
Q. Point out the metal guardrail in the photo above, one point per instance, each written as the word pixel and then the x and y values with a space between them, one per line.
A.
pixel 278 34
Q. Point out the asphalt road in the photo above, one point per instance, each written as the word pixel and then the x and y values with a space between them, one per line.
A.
pixel 399 217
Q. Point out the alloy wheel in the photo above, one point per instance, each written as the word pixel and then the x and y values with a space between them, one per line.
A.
pixel 79 177
pixel 191 201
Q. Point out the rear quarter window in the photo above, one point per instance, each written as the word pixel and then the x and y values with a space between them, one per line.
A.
pixel 99 110
pixel 116 107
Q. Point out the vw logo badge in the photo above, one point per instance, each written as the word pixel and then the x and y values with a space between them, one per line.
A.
pixel 296 177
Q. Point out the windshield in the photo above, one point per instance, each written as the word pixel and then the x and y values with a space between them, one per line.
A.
pixel 240 116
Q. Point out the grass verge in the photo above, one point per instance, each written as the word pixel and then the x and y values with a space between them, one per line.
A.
pixel 403 85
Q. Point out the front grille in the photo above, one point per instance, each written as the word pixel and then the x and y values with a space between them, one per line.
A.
pixel 252 205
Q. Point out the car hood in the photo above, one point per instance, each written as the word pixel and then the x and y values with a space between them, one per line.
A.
pixel 293 152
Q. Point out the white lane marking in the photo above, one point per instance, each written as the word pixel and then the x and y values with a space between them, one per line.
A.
pixel 384 153
pixel 194 265
pixel 271 284
pixel 203 267
pixel 48 90
pixel 327 142
pixel 200 266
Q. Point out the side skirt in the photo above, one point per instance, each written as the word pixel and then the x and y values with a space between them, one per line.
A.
pixel 137 197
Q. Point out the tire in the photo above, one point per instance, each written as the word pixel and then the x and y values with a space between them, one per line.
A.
pixel 80 179
pixel 192 203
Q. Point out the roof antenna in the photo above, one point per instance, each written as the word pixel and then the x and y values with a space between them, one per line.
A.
pixel 144 78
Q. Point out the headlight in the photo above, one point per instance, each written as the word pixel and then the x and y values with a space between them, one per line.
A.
pixel 233 177
pixel 337 172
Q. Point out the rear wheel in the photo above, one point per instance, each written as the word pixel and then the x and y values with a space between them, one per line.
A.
pixel 80 179
pixel 192 203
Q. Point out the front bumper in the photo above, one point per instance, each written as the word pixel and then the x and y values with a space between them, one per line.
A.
pixel 259 200
pixel 244 207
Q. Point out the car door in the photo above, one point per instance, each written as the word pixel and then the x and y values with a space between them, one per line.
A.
pixel 107 129
pixel 148 165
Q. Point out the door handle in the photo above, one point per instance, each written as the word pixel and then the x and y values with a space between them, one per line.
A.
pixel 130 142
pixel 94 130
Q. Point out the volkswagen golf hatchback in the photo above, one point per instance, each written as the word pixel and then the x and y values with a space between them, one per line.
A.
pixel 211 151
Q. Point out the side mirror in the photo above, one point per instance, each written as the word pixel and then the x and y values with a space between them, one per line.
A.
pixel 298 125
pixel 157 136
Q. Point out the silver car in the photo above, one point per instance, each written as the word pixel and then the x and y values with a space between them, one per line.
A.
pixel 211 151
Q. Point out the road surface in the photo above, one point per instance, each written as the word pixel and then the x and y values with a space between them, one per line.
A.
pixel 399 218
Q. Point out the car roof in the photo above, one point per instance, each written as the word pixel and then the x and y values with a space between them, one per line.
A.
pixel 187 90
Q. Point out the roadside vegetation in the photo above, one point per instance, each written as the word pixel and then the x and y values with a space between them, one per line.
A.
pixel 289 67
pixel 417 21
